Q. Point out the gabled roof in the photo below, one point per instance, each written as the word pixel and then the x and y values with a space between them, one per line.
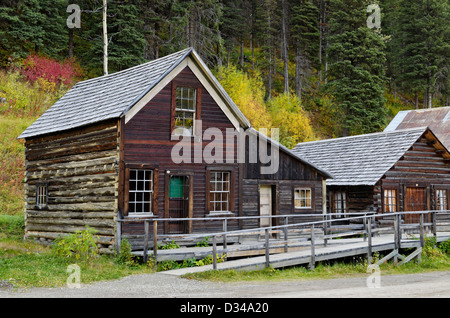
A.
pixel 363 159
pixel 437 119
pixel 112 96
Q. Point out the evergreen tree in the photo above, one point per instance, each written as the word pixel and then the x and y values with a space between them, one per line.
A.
pixel 356 74
pixel 125 35
pixel 305 35
pixel 421 47
pixel 33 26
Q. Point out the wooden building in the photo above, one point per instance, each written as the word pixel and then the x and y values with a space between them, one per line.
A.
pixel 401 170
pixel 437 119
pixel 152 142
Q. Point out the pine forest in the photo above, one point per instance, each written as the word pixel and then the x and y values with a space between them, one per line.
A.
pixel 314 69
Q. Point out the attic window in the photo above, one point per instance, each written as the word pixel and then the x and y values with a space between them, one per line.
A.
pixel 185 111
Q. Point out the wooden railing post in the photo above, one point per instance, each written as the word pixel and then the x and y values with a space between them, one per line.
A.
pixel 365 227
pixel 325 229
pixel 422 238
pixel 434 226
pixel 369 237
pixel 214 253
pixel 267 249
pixel 225 227
pixel 155 241
pixel 313 250
pixel 146 230
pixel 396 237
pixel 285 230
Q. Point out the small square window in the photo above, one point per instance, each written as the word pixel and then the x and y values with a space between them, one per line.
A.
pixel 303 198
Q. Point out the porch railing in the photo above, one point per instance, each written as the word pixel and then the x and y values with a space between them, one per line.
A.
pixel 320 229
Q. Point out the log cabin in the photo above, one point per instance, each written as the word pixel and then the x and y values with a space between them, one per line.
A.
pixel 159 140
pixel 400 170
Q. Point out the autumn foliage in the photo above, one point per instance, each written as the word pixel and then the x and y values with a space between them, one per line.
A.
pixel 50 73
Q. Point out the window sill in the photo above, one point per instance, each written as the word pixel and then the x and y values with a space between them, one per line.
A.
pixel 218 214
pixel 139 215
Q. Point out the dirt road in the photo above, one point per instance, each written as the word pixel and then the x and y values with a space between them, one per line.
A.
pixel 434 284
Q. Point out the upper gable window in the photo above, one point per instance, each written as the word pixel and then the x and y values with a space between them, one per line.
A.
pixel 185 111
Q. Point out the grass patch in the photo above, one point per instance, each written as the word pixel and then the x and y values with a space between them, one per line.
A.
pixel 35 267
pixel 25 264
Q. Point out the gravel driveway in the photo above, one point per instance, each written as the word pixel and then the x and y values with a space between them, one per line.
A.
pixel 434 284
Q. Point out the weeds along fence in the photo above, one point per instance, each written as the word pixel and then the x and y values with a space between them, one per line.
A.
pixel 364 225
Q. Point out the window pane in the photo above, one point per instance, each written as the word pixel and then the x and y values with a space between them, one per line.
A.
pixel 140 191
pixel 302 198
pixel 219 188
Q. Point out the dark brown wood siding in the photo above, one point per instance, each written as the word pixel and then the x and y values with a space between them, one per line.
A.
pixel 421 167
pixel 80 169
pixel 147 140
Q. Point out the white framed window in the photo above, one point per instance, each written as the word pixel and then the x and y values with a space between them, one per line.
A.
pixel 441 200
pixel 219 191
pixel 340 203
pixel 390 200
pixel 185 108
pixel 303 198
pixel 140 191
pixel 41 196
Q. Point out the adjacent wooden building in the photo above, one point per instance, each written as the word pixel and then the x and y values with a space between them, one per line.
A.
pixel 152 142
pixel 400 170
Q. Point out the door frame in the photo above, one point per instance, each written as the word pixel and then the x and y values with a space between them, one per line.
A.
pixel 167 176
pixel 274 201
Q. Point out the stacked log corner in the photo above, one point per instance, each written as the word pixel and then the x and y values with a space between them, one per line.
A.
pixel 81 170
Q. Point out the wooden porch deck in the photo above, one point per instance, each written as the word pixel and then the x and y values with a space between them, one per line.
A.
pixel 302 254
pixel 307 242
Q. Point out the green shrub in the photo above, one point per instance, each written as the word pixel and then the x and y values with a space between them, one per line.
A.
pixel 125 256
pixel 79 246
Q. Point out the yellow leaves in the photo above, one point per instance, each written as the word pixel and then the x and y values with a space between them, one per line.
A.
pixel 293 121
pixel 247 93
pixel 284 111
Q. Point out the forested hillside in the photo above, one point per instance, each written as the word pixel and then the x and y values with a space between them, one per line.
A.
pixel 322 51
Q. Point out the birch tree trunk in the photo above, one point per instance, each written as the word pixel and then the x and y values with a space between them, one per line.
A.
pixel 105 39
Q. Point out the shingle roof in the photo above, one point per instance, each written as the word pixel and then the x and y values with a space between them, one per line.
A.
pixel 437 119
pixel 359 160
pixel 111 96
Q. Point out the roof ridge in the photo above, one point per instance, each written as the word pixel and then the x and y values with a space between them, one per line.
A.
pixel 364 135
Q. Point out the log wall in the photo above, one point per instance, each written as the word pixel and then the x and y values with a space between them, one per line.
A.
pixel 80 169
